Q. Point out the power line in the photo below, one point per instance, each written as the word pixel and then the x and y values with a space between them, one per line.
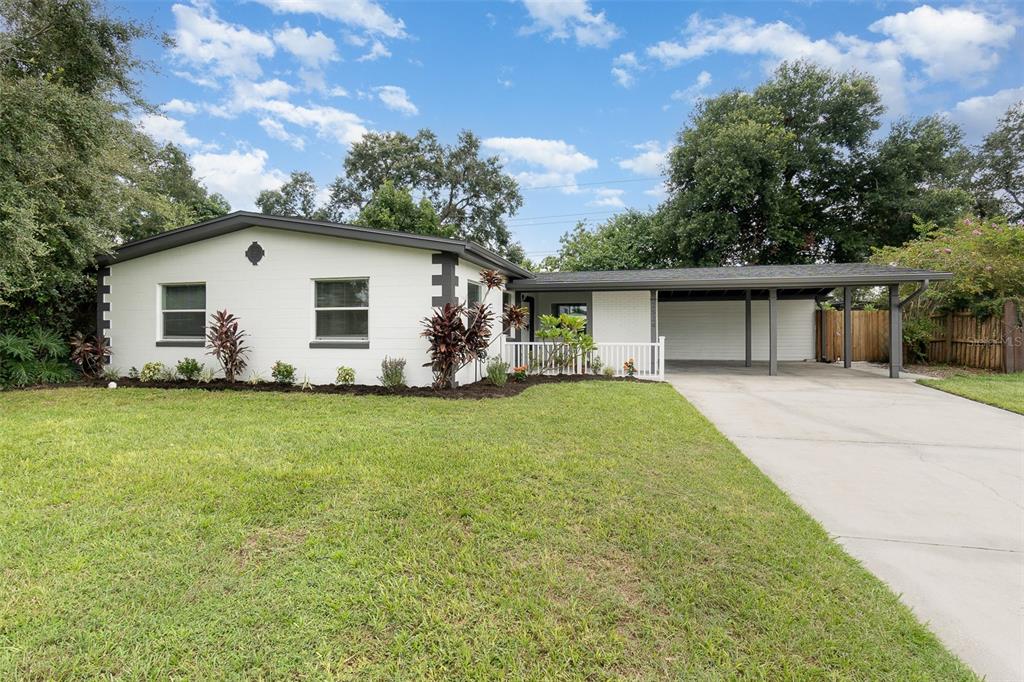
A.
pixel 564 215
pixel 602 182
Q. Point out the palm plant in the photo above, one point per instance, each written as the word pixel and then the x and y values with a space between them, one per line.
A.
pixel 227 343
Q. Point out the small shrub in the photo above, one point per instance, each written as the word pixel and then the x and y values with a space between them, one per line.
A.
pixel 111 374
pixel 152 371
pixel 918 331
pixel 283 373
pixel 90 353
pixel 629 368
pixel 519 373
pixel 37 358
pixel 255 379
pixel 346 376
pixel 227 343
pixel 497 371
pixel 392 372
pixel 608 371
pixel 306 386
pixel 207 375
pixel 133 372
pixel 596 365
pixel 189 369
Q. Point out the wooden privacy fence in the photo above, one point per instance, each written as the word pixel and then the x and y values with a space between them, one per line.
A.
pixel 870 335
pixel 995 343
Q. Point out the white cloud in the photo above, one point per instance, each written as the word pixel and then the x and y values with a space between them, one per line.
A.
pixel 377 51
pixel 274 129
pixel 978 115
pixel 164 129
pixel 649 161
pixel 239 176
pixel 396 99
pixel 314 50
pixel 179 106
pixel 608 197
pixel 202 40
pixel 505 82
pixel 953 43
pixel 362 14
pixel 338 91
pixel 564 18
pixel 950 43
pixel 554 162
pixel 693 92
pixel 268 99
pixel 624 69
pixel 778 41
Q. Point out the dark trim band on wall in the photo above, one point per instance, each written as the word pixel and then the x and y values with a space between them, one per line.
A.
pixel 102 305
pixel 363 345
pixel 181 343
pixel 447 280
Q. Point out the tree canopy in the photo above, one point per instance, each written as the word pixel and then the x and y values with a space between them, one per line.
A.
pixel 470 193
pixel 76 177
pixel 796 171
pixel 986 257
pixel 393 208
pixel 296 197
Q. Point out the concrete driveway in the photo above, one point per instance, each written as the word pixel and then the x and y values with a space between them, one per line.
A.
pixel 925 488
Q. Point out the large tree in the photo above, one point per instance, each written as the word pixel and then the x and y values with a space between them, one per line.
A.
pixel 470 193
pixel 628 240
pixel 296 197
pixel 791 172
pixel 76 178
pixel 162 191
pixel 393 208
pixel 1001 164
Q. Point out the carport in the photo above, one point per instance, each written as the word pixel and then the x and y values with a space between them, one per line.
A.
pixel 620 305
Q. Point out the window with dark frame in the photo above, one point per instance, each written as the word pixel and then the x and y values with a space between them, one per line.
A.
pixel 574 309
pixel 342 309
pixel 183 312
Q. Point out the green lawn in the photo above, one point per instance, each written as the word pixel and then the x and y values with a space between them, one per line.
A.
pixel 1002 390
pixel 590 530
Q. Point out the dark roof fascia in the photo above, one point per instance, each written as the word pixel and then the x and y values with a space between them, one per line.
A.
pixel 733 282
pixel 241 220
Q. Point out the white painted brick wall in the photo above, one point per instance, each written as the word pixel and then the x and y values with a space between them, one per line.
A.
pixel 275 300
pixel 622 316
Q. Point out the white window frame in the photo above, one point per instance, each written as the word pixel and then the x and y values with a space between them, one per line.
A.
pixel 480 288
pixel 314 339
pixel 160 335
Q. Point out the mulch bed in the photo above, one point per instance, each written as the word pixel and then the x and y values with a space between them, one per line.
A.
pixel 474 391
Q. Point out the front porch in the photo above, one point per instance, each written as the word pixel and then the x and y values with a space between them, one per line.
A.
pixel 753 314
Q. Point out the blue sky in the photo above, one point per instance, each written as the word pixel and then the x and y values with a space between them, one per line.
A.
pixel 580 98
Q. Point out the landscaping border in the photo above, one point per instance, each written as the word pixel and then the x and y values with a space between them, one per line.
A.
pixel 475 391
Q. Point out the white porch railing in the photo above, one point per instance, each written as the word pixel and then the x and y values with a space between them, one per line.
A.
pixel 541 357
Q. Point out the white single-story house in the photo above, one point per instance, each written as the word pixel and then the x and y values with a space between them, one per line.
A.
pixel 321 295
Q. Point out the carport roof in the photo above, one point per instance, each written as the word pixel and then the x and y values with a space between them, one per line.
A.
pixel 828 275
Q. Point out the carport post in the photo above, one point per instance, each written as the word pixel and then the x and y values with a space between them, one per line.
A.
pixel 773 332
pixel 847 327
pixel 747 361
pixel 895 332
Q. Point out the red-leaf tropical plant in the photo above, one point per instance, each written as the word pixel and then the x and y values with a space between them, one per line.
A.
pixel 90 353
pixel 461 334
pixel 227 344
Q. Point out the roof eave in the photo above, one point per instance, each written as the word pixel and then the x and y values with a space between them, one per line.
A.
pixel 750 283
pixel 240 220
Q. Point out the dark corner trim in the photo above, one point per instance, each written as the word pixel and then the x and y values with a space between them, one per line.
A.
pixel 102 304
pixel 361 345
pixel 447 280
pixel 181 343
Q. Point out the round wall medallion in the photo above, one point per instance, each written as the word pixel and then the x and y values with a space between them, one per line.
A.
pixel 255 253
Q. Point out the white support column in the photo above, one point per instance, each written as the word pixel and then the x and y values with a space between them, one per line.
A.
pixel 748 361
pixel 847 326
pixel 895 332
pixel 773 332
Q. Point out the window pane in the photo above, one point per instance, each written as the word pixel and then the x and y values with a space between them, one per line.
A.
pixel 475 293
pixel 332 324
pixel 185 297
pixel 352 293
pixel 184 325
pixel 577 309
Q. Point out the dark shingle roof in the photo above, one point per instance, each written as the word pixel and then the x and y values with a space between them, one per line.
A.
pixel 735 277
